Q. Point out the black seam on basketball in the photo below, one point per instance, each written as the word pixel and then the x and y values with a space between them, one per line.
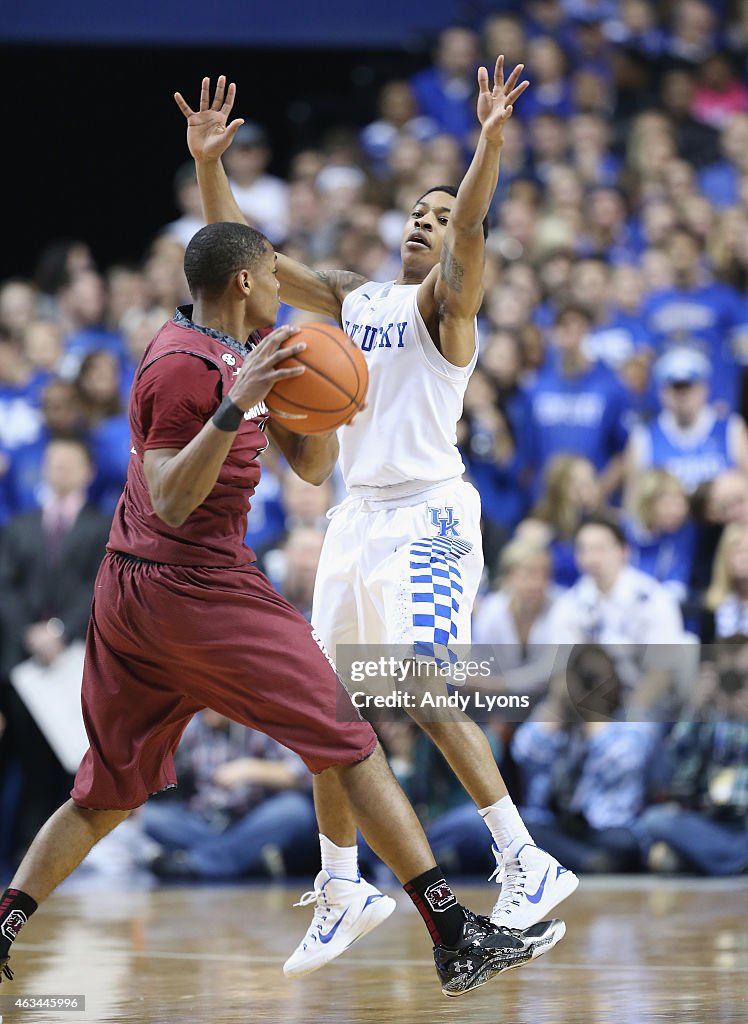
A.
pixel 343 348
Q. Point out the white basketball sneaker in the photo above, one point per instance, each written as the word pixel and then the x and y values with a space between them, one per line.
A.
pixel 532 884
pixel 344 912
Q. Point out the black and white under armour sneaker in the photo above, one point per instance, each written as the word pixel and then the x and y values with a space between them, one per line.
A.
pixel 484 950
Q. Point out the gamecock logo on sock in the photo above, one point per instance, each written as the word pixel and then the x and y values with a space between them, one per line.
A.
pixel 439 896
pixel 13 923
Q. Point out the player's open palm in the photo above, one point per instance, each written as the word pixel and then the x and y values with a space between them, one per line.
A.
pixel 261 372
pixel 496 104
pixel 208 134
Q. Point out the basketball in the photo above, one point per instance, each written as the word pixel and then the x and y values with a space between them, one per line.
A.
pixel 330 392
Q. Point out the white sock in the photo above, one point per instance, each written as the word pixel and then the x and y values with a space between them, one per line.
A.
pixel 504 823
pixel 339 861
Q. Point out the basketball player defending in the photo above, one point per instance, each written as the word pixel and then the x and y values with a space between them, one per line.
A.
pixel 182 619
pixel 402 557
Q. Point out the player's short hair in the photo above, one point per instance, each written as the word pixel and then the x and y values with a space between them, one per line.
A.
pixel 607 522
pixel 451 190
pixel 217 252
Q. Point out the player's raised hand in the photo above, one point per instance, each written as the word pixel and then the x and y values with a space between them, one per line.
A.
pixel 208 134
pixel 496 104
pixel 260 370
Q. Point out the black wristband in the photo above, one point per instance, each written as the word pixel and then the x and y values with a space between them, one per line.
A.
pixel 228 416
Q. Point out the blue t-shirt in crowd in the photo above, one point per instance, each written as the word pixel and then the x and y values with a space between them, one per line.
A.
pixel 89 339
pixel 720 183
pixel 110 447
pixel 618 339
pixel 20 418
pixel 707 317
pixel 584 415
pixel 451 105
pixel 667 557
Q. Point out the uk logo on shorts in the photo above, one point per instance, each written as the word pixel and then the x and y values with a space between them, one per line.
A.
pixel 439 896
pixel 444 520
pixel 13 923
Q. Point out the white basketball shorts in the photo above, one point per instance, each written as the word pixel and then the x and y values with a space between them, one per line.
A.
pixel 404 571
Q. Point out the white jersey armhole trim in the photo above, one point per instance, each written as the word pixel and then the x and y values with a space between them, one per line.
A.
pixel 433 357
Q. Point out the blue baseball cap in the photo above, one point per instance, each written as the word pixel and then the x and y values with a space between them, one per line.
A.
pixel 682 366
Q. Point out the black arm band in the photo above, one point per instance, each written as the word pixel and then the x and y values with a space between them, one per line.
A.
pixel 228 416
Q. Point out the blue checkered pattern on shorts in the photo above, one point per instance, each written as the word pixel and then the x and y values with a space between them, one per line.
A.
pixel 436 589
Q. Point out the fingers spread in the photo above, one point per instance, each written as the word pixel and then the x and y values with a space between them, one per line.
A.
pixel 183 105
pixel 498 75
pixel 516 93
pixel 229 102
pixel 205 94
pixel 512 80
pixel 220 89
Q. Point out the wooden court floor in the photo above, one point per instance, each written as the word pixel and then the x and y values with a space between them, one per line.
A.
pixel 636 951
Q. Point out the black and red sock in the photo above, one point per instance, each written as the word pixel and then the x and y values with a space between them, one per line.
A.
pixel 15 910
pixel 437 905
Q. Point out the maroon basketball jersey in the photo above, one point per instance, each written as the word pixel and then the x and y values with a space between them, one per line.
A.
pixel 182 378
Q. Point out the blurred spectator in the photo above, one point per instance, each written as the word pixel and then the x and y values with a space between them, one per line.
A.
pixel 514 620
pixel 166 285
pixel 301 549
pixel 547 69
pixel 697 142
pixel 688 439
pixel 615 604
pixel 42 346
pixel 58 263
pixel 62 417
pixel 721 181
pixel 719 93
pixel 585 768
pixel 693 35
pixel 727 596
pixel 660 536
pixel 20 422
pixel 571 495
pixel 698 312
pixel 99 392
pixel 398 116
pixel 262 198
pixel 634 25
pixel 48 563
pixel 81 303
pixel 496 459
pixel 446 91
pixel 187 198
pixel 18 306
pixel 50 558
pixel 704 827
pixel 579 406
pixel 503 32
pixel 242 809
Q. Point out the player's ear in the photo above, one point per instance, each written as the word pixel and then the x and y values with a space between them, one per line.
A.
pixel 243 282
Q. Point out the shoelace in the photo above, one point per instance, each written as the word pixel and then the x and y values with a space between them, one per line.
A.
pixel 320 912
pixel 512 876
pixel 6 970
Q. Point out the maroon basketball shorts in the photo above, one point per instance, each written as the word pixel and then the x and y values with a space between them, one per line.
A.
pixel 165 641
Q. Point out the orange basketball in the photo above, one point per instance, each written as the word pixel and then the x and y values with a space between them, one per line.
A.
pixel 330 391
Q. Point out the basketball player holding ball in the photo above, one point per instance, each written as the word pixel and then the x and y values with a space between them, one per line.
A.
pixel 182 619
pixel 402 558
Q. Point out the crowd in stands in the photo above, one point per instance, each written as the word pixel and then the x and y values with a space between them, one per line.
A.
pixel 604 428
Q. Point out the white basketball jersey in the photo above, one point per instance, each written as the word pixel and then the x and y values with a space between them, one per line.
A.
pixel 406 438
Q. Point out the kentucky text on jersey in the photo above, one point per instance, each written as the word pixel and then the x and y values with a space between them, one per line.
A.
pixel 376 335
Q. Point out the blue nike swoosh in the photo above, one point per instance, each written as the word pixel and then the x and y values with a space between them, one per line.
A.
pixel 538 894
pixel 372 899
pixel 331 934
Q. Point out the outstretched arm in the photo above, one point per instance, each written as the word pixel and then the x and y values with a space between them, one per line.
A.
pixel 209 135
pixel 451 295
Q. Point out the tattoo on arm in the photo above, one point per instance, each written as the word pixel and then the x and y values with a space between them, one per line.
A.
pixel 340 281
pixel 452 271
